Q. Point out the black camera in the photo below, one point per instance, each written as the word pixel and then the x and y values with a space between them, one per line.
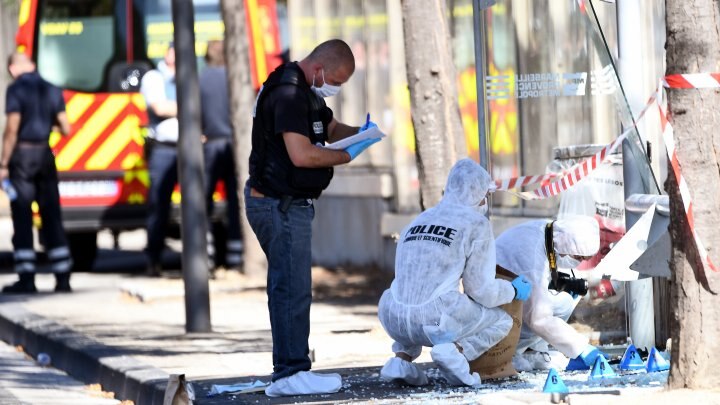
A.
pixel 570 284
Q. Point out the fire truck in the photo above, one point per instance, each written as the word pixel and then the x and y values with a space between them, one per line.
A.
pixel 97 52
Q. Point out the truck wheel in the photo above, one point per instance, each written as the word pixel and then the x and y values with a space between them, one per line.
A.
pixel 83 249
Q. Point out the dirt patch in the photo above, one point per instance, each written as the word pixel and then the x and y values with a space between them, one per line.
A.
pixel 349 285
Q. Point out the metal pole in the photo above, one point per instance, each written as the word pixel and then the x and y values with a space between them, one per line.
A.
pixel 479 7
pixel 639 294
pixel 479 29
pixel 190 171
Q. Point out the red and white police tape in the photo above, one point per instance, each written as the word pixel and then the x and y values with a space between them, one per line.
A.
pixel 561 181
pixel 669 140
pixel 692 81
pixel 569 177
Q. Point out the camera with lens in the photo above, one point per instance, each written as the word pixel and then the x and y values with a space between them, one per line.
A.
pixel 569 284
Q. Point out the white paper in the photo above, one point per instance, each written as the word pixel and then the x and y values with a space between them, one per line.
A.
pixel 616 263
pixel 370 133
pixel 240 388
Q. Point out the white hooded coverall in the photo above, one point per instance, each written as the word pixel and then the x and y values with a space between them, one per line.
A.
pixel 521 249
pixel 450 242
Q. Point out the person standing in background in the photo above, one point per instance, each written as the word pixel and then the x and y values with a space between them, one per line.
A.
pixel 158 89
pixel 218 150
pixel 32 107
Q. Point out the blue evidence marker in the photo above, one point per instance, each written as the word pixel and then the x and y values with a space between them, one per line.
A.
pixel 554 383
pixel 631 360
pixel 601 369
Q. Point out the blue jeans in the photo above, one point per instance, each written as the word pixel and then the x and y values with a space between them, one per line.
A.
pixel 285 238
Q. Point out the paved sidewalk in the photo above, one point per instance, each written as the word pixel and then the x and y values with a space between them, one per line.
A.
pixel 137 324
pixel 33 384
pixel 126 333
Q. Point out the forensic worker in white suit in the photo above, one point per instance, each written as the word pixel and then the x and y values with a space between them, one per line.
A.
pixel 448 244
pixel 534 249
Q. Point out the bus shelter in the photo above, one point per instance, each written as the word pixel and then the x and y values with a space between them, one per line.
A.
pixel 558 81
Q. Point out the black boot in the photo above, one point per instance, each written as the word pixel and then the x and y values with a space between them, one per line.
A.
pixel 26 285
pixel 62 282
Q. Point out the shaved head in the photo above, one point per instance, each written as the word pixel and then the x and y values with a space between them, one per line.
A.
pixel 334 54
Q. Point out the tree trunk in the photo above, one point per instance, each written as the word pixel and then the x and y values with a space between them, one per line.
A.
pixel 693 46
pixel 439 136
pixel 8 27
pixel 242 99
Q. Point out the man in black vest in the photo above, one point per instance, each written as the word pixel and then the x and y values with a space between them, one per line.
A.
pixel 288 169
pixel 33 106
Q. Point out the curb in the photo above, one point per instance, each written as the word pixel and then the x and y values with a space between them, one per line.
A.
pixel 82 357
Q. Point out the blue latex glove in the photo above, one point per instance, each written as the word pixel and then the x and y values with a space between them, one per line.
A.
pixel 586 359
pixel 356 149
pixel 368 125
pixel 522 288
pixel 590 354
pixel 576 364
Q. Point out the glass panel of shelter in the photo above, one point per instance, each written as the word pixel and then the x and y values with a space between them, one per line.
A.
pixel 551 84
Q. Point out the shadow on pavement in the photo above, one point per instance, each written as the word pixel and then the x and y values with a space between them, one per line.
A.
pixel 107 261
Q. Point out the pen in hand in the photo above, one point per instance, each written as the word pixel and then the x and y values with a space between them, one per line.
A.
pixel 367 121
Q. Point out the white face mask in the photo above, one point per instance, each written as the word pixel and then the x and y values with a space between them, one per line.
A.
pixel 567 262
pixel 326 90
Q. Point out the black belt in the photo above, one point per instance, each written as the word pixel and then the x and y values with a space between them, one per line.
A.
pixel 163 143
pixel 285 200
pixel 32 144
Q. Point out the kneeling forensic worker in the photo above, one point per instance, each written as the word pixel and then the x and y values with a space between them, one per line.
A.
pixel 448 244
pixel 536 249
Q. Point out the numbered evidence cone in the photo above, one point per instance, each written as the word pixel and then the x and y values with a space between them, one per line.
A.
pixel 631 360
pixel 554 383
pixel 601 369
pixel 656 362
pixel 497 361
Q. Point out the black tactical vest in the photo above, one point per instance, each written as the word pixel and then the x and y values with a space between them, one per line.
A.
pixel 276 176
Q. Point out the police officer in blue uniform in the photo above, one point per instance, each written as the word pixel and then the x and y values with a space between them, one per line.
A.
pixel 32 107
pixel 288 169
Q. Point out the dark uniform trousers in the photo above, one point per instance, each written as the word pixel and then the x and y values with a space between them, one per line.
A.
pixel 220 165
pixel 162 165
pixel 34 176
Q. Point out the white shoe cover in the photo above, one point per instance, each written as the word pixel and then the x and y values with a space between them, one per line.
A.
pixel 305 383
pixel 532 360
pixel 521 364
pixel 453 365
pixel 397 369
